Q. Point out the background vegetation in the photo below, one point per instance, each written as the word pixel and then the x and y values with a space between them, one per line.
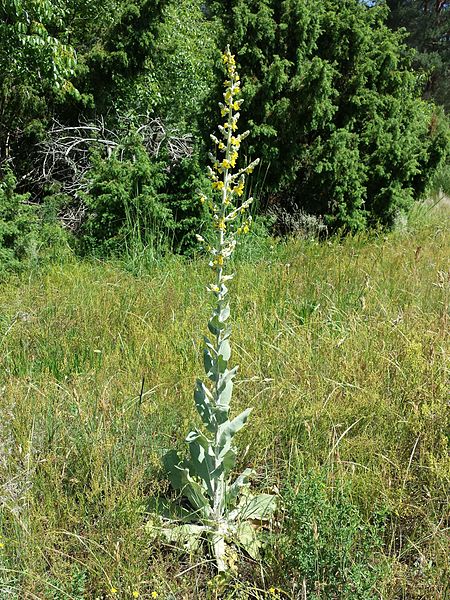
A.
pixel 105 111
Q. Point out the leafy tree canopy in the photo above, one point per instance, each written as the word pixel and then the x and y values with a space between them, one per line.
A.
pixel 35 61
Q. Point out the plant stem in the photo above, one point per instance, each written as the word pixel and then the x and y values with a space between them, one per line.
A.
pixel 220 487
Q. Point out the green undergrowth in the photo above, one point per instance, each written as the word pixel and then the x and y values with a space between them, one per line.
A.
pixel 343 351
pixel 330 549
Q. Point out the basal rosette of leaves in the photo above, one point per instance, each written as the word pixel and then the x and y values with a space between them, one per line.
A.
pixel 223 508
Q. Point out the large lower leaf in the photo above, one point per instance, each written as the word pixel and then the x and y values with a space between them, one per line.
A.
pixel 229 429
pixel 203 460
pixel 187 536
pixel 257 508
pixel 195 493
pixel 247 538
pixel 181 479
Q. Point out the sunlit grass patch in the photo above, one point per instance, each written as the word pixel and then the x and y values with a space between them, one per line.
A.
pixel 343 347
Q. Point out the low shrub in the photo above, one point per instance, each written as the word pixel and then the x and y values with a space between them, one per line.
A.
pixel 18 223
pixel 329 549
pixel 124 204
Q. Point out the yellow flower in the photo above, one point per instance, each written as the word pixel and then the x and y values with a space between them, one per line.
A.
pixel 227 95
pixel 245 228
pixel 234 126
pixel 225 125
pixel 135 594
pixel 113 591
pixel 239 189
pixel 221 146
pixel 217 185
pixel 225 164
pixel 236 105
pixel 223 112
pixel 272 590
pixel 235 141
pixel 154 594
pixel 202 199
pixel 219 260
pixel 221 225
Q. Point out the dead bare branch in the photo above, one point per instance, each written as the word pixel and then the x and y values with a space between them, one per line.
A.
pixel 65 156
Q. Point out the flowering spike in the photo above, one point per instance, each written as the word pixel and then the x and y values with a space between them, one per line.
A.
pixel 205 479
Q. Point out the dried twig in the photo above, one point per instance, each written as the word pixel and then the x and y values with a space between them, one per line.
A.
pixel 65 156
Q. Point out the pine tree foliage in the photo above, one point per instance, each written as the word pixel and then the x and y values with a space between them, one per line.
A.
pixel 334 108
pixel 427 23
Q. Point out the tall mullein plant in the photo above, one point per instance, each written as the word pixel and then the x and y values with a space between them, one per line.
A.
pixel 205 478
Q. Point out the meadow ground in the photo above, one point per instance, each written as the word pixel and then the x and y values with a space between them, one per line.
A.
pixel 343 350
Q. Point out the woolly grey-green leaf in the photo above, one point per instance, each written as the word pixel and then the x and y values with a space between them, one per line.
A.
pixel 225 350
pixel 195 493
pixel 203 402
pixel 224 395
pixel 229 429
pixel 208 363
pixel 258 508
pixel 215 325
pixel 188 536
pixel 224 313
pixel 221 411
pixel 202 459
pixel 248 539
pixel 241 481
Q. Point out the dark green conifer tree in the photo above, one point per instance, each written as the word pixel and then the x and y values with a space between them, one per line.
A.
pixel 427 23
pixel 334 107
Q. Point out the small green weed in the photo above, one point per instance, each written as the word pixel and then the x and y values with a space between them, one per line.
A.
pixel 329 550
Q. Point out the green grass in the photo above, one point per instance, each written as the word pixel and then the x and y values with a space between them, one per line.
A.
pixel 343 353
